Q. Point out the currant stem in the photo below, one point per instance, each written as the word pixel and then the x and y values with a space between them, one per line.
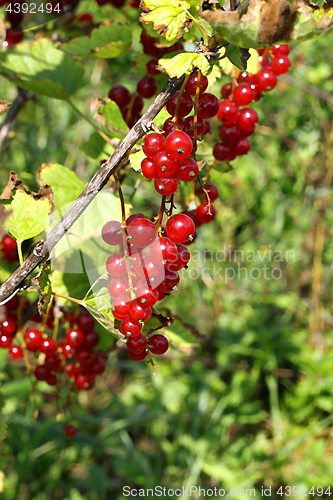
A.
pixel 42 328
pixel 196 105
pixel 179 98
pixel 19 251
pixel 160 216
pixel 202 30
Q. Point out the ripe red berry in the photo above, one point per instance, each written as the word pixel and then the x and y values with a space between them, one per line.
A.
pixel 153 274
pixel 208 106
pixel 213 192
pixel 279 50
pixel 152 144
pixel 226 90
pixel 221 152
pixel 68 351
pixel 163 251
pixel 183 257
pixel 8 326
pixel 33 339
pixel 178 145
pixel 85 322
pixel 151 67
pixel 187 170
pixel 15 351
pixel 70 430
pixel 281 64
pixel 133 217
pixel 120 95
pixel 147 168
pixel 191 86
pixel 13 304
pixel 97 364
pixel 42 372
pixel 51 379
pixel 138 311
pixel 120 307
pixel 53 362
pixel 243 94
pixel 147 87
pixel 118 286
pixel 170 281
pixel 228 112
pixel 74 337
pixel 186 105
pixel 85 17
pixel 116 265
pixel 147 295
pixel 158 344
pixel 207 127
pixel 180 228
pixel 138 357
pixel 84 381
pixel 190 126
pixel 205 213
pixel 266 79
pixel 48 346
pixel 71 370
pixel 91 339
pixel 242 147
pixel 131 327
pixel 14 36
pixel 166 186
pixel 5 340
pixel 164 165
pixel 168 126
pixel 8 248
pixel 111 233
pixel 15 18
pixel 82 354
pixel 247 119
pixel 141 232
pixel 229 134
pixel 137 344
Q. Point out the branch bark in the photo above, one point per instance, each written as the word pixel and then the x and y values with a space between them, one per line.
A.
pixel 99 180
pixel 20 100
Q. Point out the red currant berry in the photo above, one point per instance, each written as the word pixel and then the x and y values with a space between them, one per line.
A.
pixel 117 287
pixel 166 186
pixel 180 228
pixel 111 233
pixel 221 152
pixel 229 134
pixel 15 351
pixel 266 79
pixel 280 50
pixel 183 257
pixel 186 105
pixel 53 362
pixel 98 364
pixel 138 357
pixel 117 3
pixel 158 344
pixel 33 339
pixel 42 372
pixel 15 18
pixel 86 17
pixel 137 106
pixel 133 217
pixel 164 165
pixel 8 247
pixel 243 75
pixel 130 327
pixel 120 306
pixel 163 251
pixel 5 340
pixel 242 147
pixel 226 90
pixel 141 232
pixel 213 192
pixel 51 379
pixel 281 64
pixel 70 431
pixel 147 87
pixel 153 274
pixel 147 168
pixel 152 144
pixel 168 126
pixel 8 326
pixel 208 106
pixel 207 127
pixel 82 355
pixel 68 351
pixel 190 126
pixel 120 95
pixel 12 304
pixel 247 119
pixel 13 37
pixel 84 381
pixel 146 295
pixel 116 265
pixel 178 145
pixel 48 346
pixel 192 83
pixel 75 337
pixel 205 213
pixel 138 311
pixel 243 94
pixel 85 322
pixel 170 281
pixel 187 170
pixel 137 344
pixel 151 67
pixel 92 339
pixel 228 112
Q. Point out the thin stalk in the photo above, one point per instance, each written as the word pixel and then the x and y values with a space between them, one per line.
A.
pixel 19 251
pixel 196 105
pixel 160 216
pixel 202 30
pixel 179 98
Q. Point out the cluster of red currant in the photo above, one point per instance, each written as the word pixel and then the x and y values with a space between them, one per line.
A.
pixel 238 121
pixel 8 249
pixel 14 16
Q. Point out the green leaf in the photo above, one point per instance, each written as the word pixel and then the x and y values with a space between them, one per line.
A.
pixel 29 216
pixel 65 184
pixel 184 63
pixel 3 429
pixel 42 68
pixel 113 116
pixel 99 307
pixel 96 148
pixel 43 285
pixel 136 159
pixel 234 55
pixel 169 17
pixel 104 42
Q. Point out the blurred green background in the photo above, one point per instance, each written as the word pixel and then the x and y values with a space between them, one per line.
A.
pixel 244 398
